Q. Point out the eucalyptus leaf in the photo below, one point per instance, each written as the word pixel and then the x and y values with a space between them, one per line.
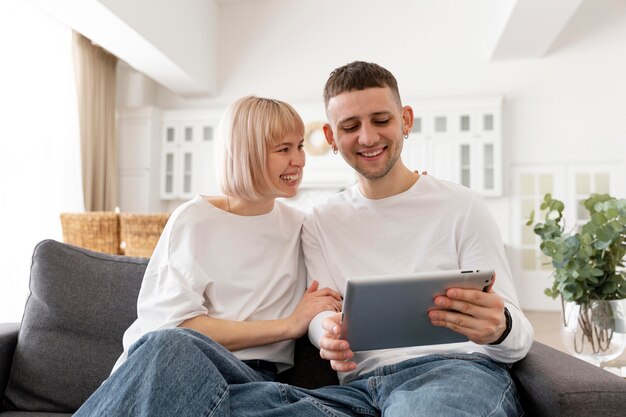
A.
pixel 588 265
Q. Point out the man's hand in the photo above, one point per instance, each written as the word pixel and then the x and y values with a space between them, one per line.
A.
pixel 335 349
pixel 473 313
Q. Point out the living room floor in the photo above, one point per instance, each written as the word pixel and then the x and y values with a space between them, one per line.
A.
pixel 547 327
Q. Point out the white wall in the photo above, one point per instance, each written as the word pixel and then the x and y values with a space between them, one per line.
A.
pixel 565 108
pixel 173 42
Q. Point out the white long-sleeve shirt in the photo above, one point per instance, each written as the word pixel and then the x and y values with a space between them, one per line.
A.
pixel 434 225
pixel 215 263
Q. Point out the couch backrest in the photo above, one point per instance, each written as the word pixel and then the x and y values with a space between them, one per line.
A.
pixel 80 304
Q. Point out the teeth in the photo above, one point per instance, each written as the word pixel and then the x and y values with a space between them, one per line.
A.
pixel 290 177
pixel 371 154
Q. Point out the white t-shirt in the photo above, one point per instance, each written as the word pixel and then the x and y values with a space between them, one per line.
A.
pixel 215 263
pixel 434 225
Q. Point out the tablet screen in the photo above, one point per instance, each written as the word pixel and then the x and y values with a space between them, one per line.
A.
pixel 390 311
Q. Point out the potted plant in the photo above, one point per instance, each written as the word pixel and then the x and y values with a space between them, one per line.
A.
pixel 589 274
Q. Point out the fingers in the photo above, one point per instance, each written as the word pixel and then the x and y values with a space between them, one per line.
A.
pixel 332 326
pixel 333 305
pixel 338 352
pixel 473 313
pixel 472 303
pixel 343 366
pixel 329 292
pixel 461 323
pixel 481 331
pixel 313 287
pixel 455 297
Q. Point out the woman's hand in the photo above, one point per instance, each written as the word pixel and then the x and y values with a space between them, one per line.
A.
pixel 313 302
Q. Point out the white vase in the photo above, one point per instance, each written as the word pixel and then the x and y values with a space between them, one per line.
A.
pixel 595 332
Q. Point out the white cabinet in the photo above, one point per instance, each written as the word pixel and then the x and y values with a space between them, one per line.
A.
pixel 187 166
pixel 459 141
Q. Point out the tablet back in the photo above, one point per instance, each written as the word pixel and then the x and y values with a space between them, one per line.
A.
pixel 391 311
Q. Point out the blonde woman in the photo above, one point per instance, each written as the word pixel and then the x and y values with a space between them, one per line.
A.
pixel 223 297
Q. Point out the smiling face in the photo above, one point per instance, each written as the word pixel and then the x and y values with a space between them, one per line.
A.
pixel 261 141
pixel 285 162
pixel 367 127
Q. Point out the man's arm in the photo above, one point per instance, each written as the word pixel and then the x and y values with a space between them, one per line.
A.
pixel 317 269
pixel 480 316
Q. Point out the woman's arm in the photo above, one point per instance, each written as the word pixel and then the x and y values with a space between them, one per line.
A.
pixel 237 335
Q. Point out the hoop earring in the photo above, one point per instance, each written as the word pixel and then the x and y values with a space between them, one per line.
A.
pixel 405 136
pixel 335 150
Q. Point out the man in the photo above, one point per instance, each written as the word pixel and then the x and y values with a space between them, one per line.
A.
pixel 394 220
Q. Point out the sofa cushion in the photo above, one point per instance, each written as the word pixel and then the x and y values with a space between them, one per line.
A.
pixel 80 304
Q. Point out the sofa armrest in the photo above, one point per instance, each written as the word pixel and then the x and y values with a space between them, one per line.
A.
pixel 8 340
pixel 553 383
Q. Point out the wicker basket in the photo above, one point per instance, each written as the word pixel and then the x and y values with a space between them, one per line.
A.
pixel 95 230
pixel 140 232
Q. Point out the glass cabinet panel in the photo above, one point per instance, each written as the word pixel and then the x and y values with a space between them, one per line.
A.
pixel 187 173
pixel 465 165
pixel 169 173
pixel 602 183
pixel 545 184
pixel 188 134
pixel 583 184
pixel 417 125
pixel 464 123
pixel 488 122
pixel 441 124
pixel 169 137
pixel 207 133
pixel 488 174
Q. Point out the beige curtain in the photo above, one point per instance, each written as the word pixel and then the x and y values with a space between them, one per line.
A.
pixel 95 84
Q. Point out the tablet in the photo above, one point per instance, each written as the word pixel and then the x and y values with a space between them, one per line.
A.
pixel 391 311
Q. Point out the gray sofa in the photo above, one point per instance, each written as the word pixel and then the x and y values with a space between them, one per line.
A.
pixel 82 301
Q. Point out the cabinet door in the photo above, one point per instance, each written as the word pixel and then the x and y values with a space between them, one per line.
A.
pixel 187 162
pixel 466 165
pixel 439 124
pixel 186 174
pixel 491 175
pixel 169 166
pixel 169 160
pixel 477 131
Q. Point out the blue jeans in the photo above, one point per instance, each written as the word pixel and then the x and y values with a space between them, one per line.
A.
pixel 182 373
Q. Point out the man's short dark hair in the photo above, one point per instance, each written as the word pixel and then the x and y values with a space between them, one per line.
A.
pixel 359 75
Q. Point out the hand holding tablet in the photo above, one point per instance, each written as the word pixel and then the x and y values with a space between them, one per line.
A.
pixel 392 311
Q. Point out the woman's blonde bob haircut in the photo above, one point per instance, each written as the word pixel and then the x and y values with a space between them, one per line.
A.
pixel 249 129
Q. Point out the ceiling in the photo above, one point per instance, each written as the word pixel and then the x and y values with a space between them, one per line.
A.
pixel 148 34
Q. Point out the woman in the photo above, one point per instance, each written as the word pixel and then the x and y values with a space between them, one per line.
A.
pixel 229 268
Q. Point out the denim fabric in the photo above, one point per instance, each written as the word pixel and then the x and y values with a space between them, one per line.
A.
pixel 434 385
pixel 174 372
pixel 182 373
